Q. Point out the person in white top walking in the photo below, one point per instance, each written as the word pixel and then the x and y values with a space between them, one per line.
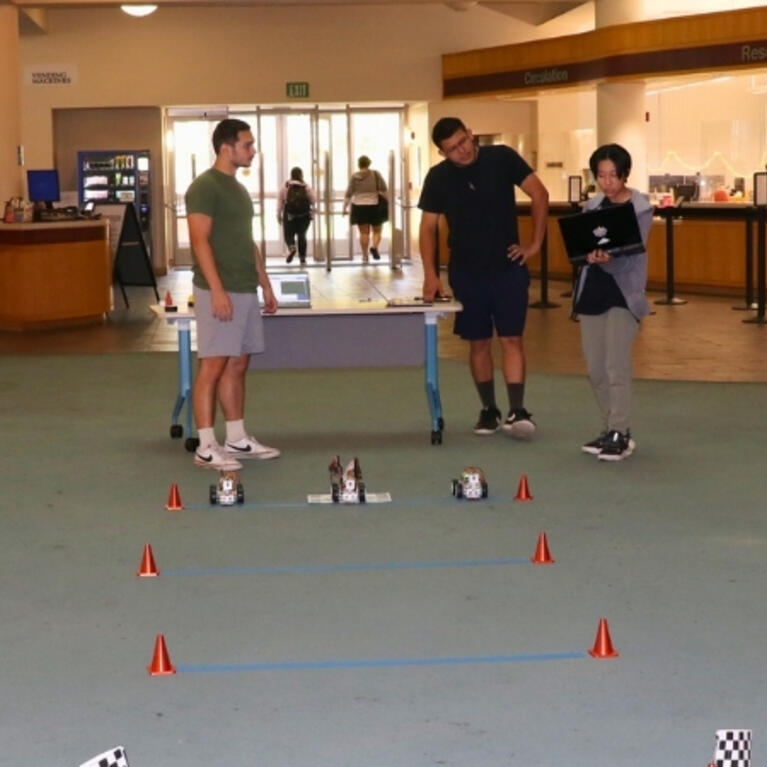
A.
pixel 367 195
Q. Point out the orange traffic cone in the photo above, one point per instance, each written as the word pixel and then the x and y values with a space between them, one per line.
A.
pixel 161 665
pixel 603 645
pixel 523 491
pixel 148 568
pixel 542 555
pixel 169 305
pixel 174 499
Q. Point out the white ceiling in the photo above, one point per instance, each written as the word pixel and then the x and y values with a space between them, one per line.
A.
pixel 530 11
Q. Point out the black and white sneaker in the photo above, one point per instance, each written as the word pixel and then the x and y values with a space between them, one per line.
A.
pixel 595 446
pixel 250 447
pixel 617 446
pixel 519 424
pixel 213 457
pixel 489 421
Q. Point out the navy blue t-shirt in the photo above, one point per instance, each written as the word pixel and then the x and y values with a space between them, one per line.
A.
pixel 478 202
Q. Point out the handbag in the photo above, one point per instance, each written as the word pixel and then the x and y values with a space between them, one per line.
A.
pixel 383 207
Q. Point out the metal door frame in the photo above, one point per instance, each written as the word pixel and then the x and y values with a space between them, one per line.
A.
pixel 323 242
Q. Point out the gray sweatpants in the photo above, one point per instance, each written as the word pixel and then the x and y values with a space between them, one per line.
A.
pixel 606 340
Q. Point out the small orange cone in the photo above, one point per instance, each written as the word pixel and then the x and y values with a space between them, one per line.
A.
pixel 523 491
pixel 603 645
pixel 161 665
pixel 174 499
pixel 542 555
pixel 169 305
pixel 147 568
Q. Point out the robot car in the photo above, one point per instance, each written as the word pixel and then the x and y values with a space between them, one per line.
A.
pixel 472 484
pixel 229 490
pixel 346 485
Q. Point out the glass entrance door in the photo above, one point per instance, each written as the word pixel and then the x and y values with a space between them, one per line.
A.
pixel 324 142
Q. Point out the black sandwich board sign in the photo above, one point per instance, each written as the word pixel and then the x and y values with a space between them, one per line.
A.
pixel 131 265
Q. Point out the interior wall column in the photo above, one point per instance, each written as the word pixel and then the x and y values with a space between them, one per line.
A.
pixel 10 103
pixel 621 120
pixel 621 106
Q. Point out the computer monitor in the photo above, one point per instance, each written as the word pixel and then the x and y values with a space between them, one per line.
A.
pixel 685 192
pixel 43 186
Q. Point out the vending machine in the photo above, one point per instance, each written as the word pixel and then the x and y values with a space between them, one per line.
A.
pixel 119 175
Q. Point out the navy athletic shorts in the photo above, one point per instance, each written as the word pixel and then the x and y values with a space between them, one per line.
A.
pixel 490 300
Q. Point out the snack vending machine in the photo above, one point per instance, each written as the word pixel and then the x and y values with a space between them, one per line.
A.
pixel 119 175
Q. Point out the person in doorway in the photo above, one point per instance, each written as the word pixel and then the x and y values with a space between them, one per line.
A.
pixel 473 187
pixel 610 301
pixel 228 268
pixel 295 210
pixel 367 195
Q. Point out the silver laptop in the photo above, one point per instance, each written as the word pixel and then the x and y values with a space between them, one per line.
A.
pixel 291 289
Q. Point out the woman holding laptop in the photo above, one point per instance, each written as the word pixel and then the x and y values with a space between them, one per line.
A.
pixel 609 302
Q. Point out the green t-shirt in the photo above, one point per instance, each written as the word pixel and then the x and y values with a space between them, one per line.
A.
pixel 228 203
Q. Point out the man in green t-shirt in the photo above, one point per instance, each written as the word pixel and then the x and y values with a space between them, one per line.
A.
pixel 228 268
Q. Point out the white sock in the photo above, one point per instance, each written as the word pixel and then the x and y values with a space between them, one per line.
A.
pixel 207 436
pixel 235 430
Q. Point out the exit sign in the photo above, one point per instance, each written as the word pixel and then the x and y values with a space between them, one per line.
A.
pixel 297 90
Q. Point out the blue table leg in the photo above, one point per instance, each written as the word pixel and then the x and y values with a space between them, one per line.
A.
pixel 431 366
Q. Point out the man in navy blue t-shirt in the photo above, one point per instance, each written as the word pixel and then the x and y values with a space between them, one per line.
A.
pixel 473 187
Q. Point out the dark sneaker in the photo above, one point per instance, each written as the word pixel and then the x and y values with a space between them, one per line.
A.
pixel 374 252
pixel 489 421
pixel 595 446
pixel 291 254
pixel 519 424
pixel 617 446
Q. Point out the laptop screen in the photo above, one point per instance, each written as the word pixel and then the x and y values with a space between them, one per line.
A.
pixel 292 290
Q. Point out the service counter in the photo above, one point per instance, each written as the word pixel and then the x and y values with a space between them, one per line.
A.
pixel 54 274
pixel 709 242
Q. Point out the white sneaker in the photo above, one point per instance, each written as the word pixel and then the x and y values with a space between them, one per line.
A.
pixel 250 447
pixel 213 457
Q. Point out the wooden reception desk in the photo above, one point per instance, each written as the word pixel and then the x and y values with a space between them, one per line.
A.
pixel 709 246
pixel 54 274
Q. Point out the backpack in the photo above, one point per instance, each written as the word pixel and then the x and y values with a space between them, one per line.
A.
pixel 297 200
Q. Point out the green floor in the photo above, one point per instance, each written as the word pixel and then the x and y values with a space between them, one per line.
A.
pixel 410 633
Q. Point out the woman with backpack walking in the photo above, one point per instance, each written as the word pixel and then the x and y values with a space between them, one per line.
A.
pixel 367 194
pixel 294 211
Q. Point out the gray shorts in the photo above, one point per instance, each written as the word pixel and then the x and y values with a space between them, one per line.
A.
pixel 244 334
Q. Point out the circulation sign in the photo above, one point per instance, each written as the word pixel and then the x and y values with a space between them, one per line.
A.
pixel 297 90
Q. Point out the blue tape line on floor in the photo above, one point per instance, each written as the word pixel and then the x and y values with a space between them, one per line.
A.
pixel 386 504
pixel 361 567
pixel 379 663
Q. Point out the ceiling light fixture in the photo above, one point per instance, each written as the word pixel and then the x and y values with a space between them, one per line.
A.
pixel 138 10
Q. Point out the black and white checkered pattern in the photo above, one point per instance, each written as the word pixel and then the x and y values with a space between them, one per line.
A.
pixel 733 748
pixel 115 757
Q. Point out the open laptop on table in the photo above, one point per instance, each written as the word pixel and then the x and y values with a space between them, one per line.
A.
pixel 613 229
pixel 291 289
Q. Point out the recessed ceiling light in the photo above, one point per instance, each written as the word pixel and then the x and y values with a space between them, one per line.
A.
pixel 138 10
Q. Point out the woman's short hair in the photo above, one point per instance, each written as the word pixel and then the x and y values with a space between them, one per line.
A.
pixel 363 161
pixel 296 174
pixel 616 154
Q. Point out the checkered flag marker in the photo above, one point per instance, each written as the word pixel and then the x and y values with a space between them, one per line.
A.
pixel 732 748
pixel 115 757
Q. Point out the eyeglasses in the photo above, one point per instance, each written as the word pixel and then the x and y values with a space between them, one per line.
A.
pixel 460 144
